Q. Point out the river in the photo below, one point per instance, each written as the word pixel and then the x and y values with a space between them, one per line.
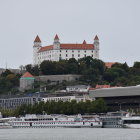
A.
pixel 69 134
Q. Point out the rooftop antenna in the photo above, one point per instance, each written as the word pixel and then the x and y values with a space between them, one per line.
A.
pixel 6 65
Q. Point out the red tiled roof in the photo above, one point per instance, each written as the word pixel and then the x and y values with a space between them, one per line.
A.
pixel 102 86
pixel 84 42
pixel 56 37
pixel 37 39
pixel 109 64
pixel 27 74
pixel 77 46
pixel 69 46
pixel 42 49
pixel 96 38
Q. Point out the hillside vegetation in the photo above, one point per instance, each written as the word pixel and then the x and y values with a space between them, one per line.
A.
pixel 93 72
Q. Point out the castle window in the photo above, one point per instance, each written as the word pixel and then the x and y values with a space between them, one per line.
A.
pixel 60 55
pixel 66 55
pixel 85 55
pixel 72 55
pixel 85 51
pixel 92 51
pixel 78 50
pixel 72 50
pixel 60 50
pixel 66 50
pixel 92 55
pixel 78 55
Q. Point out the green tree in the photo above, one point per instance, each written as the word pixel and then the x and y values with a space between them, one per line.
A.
pixel 48 67
pixel 136 65
pixel 99 106
pixel 34 70
pixel 6 72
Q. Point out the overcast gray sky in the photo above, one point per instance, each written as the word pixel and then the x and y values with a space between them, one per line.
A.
pixel 116 22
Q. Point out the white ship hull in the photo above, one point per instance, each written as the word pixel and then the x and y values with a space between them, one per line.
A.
pixel 5 125
pixel 131 122
pixel 134 126
pixel 49 121
pixel 61 124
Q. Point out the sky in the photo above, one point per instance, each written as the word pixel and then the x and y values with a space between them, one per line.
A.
pixel 116 22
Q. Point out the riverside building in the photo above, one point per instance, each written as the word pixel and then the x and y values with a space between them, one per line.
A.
pixel 68 99
pixel 64 51
pixel 119 98
pixel 16 101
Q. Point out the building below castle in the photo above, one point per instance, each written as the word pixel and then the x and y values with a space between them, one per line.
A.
pixel 64 51
pixel 26 82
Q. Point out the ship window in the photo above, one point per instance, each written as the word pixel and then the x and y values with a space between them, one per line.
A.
pixel 131 121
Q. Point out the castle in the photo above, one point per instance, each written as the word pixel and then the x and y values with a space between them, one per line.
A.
pixel 62 51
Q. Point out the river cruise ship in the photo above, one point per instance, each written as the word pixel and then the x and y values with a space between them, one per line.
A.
pixel 53 121
pixel 131 122
pixel 112 119
pixel 4 122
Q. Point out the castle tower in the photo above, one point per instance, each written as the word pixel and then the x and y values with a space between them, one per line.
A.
pixel 56 48
pixel 84 42
pixel 26 82
pixel 96 46
pixel 36 47
pixel 56 43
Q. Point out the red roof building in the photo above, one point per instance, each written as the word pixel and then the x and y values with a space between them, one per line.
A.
pixel 102 86
pixel 37 39
pixel 96 38
pixel 26 81
pixel 109 64
pixel 56 37
pixel 58 51
pixel 27 75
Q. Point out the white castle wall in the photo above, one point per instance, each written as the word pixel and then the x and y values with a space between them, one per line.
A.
pixel 56 53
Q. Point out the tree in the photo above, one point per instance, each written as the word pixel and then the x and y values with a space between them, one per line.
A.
pixel 136 65
pixel 6 72
pixel 48 67
pixel 72 60
pixel 99 66
pixel 13 79
pixel 86 60
pixel 113 73
pixel 99 106
pixel 29 68
pixel 62 67
pixel 72 68
pixel 34 70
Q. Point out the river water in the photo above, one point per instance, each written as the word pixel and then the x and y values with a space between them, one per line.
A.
pixel 69 134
